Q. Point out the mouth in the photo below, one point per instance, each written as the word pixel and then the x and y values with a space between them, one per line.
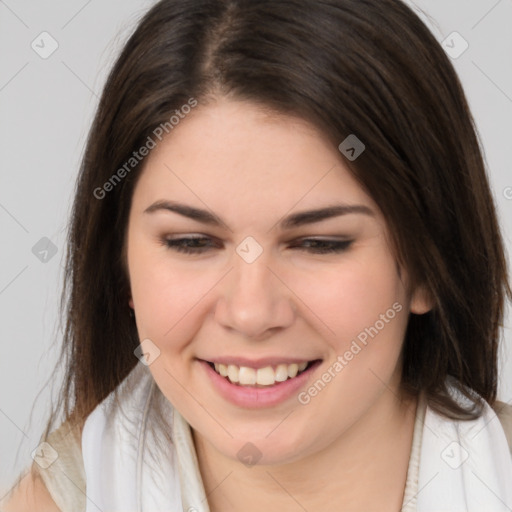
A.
pixel 258 384
pixel 264 377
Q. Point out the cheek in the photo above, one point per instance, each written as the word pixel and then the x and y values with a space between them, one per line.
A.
pixel 365 304
pixel 348 298
pixel 169 303
pixel 166 297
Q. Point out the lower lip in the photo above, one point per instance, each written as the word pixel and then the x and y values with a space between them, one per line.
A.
pixel 257 398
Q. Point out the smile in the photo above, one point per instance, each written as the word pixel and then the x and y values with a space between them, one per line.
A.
pixel 258 384
pixel 259 377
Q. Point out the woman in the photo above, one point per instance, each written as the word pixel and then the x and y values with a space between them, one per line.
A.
pixel 285 274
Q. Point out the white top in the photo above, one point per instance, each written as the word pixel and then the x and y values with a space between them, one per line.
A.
pixel 65 479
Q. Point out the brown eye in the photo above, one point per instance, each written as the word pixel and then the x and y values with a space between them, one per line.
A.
pixel 322 246
pixel 190 245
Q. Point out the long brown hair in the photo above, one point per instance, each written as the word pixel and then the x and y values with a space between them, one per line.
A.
pixel 364 67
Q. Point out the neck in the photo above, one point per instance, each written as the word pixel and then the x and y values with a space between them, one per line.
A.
pixel 365 463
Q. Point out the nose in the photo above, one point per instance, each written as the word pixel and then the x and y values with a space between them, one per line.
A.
pixel 254 301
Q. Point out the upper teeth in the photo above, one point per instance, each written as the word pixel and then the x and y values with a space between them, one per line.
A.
pixel 263 376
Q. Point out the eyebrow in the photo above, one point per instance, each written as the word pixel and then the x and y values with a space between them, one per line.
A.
pixel 291 221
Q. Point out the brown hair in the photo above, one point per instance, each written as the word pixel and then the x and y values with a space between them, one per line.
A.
pixel 364 67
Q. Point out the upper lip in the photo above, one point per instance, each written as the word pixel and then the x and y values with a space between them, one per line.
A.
pixel 261 362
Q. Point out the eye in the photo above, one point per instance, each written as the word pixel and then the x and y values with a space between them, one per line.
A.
pixel 190 245
pixel 324 246
pixel 201 244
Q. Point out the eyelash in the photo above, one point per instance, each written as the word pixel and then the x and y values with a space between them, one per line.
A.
pixel 326 246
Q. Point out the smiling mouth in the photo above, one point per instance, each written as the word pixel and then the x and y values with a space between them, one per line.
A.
pixel 261 377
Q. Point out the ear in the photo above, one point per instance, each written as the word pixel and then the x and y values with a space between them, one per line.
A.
pixel 130 302
pixel 421 301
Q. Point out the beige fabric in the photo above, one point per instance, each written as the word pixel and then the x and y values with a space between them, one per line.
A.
pixel 411 483
pixel 504 412
pixel 65 478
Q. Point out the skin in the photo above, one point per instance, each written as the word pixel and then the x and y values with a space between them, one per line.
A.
pixel 30 494
pixel 350 445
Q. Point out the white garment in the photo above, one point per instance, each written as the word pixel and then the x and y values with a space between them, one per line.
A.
pixel 464 466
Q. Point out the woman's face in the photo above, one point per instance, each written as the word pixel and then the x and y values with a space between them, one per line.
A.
pixel 268 288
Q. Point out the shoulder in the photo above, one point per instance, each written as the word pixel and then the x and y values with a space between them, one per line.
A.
pixel 30 494
pixel 504 412
pixel 58 483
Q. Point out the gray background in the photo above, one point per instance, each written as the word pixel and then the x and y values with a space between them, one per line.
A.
pixel 46 108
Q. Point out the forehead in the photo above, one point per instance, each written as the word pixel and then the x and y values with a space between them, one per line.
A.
pixel 233 155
